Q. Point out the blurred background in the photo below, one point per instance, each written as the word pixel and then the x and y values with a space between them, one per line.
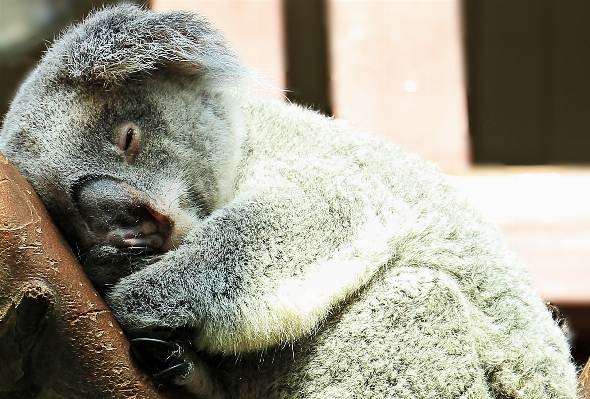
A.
pixel 496 91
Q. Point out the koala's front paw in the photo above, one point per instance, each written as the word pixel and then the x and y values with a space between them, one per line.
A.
pixel 166 360
pixel 152 298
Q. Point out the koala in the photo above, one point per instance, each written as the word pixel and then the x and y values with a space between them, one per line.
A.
pixel 252 248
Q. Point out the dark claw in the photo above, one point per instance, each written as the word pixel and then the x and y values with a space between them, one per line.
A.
pixel 166 360
pixel 179 370
pixel 139 251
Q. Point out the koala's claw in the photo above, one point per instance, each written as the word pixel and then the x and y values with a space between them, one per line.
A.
pixel 173 372
pixel 167 361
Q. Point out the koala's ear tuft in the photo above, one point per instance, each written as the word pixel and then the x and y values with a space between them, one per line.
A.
pixel 117 43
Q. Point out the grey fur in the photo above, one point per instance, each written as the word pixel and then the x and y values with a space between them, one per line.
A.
pixel 306 259
pixel 181 39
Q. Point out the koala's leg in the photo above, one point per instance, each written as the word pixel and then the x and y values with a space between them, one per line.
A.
pixel 408 335
pixel 413 333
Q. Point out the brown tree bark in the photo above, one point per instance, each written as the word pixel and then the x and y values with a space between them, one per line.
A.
pixel 57 336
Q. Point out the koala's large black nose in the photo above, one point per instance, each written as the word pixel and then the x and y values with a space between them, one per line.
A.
pixel 122 215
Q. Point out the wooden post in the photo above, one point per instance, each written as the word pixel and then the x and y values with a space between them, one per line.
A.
pixel 397 71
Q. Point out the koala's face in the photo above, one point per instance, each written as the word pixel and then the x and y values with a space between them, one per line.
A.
pixel 125 169
pixel 127 133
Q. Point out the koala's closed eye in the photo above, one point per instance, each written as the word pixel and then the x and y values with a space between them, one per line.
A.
pixel 127 138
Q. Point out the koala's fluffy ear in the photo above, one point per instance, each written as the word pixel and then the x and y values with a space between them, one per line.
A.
pixel 117 43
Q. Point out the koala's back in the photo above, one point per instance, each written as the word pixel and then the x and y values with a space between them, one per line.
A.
pixel 451 313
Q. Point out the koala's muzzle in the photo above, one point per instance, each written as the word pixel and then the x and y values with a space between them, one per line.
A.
pixel 123 216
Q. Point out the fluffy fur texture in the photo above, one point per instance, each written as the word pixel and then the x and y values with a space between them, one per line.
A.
pixel 306 259
pixel 179 39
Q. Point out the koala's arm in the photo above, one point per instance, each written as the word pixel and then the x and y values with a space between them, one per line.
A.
pixel 306 229
pixel 249 276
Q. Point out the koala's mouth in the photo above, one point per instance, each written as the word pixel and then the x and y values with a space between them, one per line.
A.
pixel 123 216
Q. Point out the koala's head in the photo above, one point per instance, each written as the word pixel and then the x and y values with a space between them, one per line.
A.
pixel 125 129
